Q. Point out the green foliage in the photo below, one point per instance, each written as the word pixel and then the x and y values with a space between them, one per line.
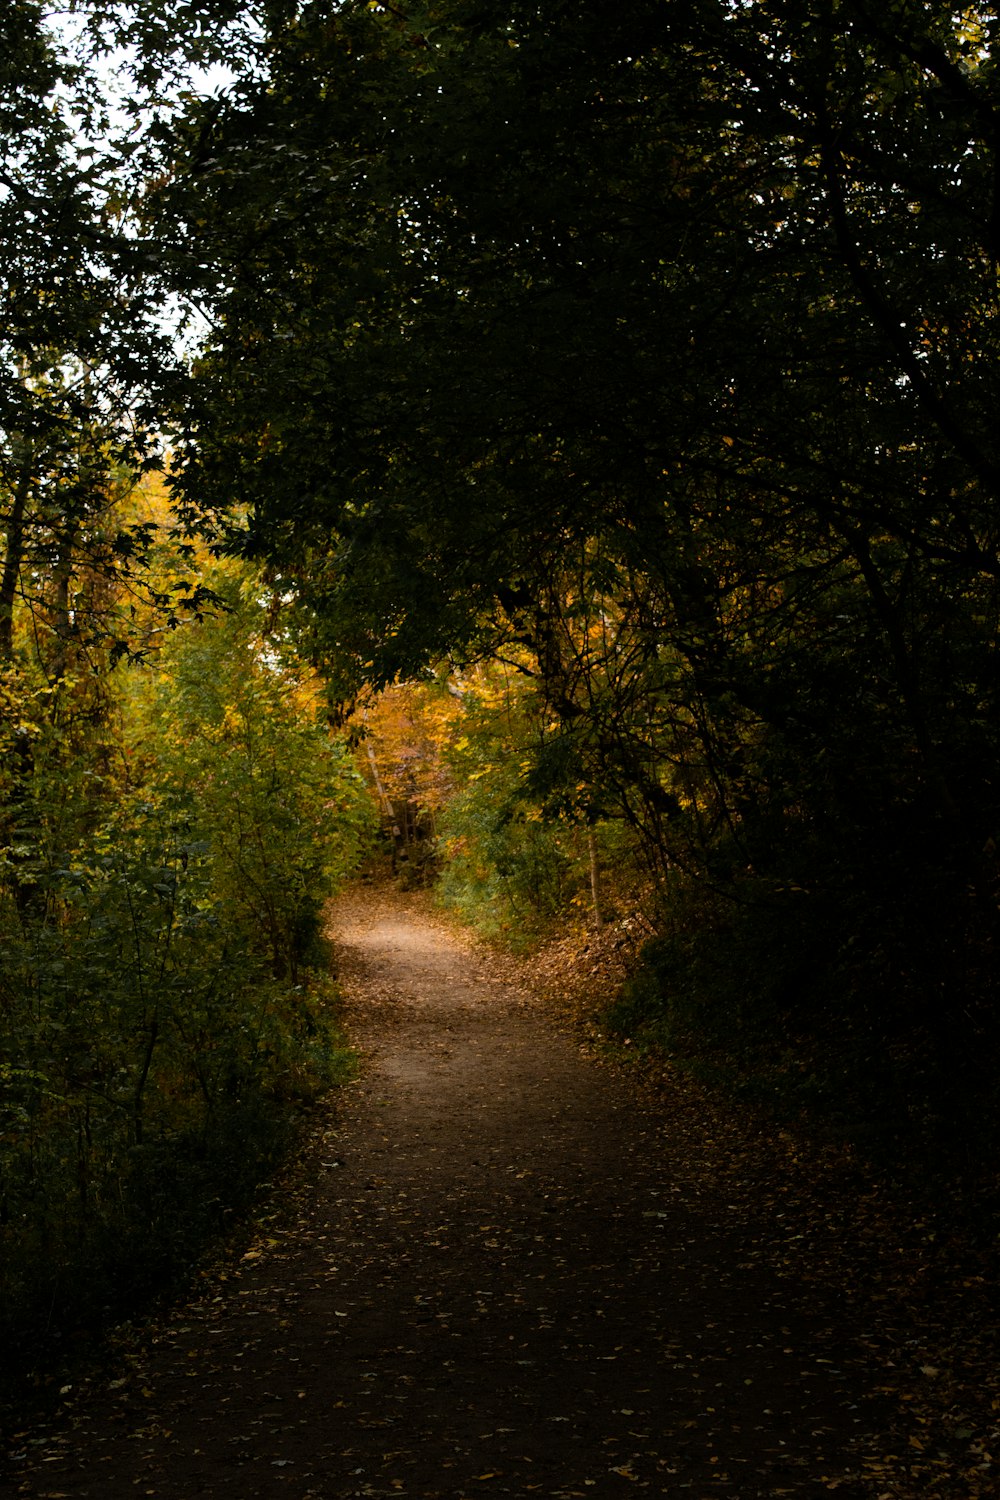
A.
pixel 504 868
pixel 164 1009
pixel 228 739
pixel 517 836
pixel 148 1058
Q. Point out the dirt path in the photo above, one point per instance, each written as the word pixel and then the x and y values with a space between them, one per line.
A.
pixel 495 1273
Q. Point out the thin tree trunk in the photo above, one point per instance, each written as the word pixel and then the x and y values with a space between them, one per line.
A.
pixel 13 559
pixel 595 879
pixel 383 796
pixel 62 628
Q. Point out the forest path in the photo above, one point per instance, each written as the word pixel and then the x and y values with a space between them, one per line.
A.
pixel 495 1271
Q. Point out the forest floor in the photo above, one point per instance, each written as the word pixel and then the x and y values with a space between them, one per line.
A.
pixel 502 1266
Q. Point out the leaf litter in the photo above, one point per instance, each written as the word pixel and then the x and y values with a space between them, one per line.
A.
pixel 501 1267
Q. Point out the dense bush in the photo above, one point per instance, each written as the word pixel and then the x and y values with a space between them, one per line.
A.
pixel 165 1005
pixel 516 850
pixel 503 867
pixel 821 1010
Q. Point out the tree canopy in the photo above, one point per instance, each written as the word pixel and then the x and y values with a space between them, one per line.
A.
pixel 686 314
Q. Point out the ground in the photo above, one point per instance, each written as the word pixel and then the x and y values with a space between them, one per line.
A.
pixel 504 1267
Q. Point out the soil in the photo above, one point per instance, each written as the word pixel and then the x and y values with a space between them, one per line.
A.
pixel 499 1267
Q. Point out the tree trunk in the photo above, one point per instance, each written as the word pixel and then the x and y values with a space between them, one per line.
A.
pixel 13 558
pixel 595 879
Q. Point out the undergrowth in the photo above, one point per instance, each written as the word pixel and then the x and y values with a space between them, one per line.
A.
pixel 98 1220
pixel 785 1004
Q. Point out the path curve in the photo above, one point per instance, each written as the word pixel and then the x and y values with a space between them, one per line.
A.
pixel 497 1273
